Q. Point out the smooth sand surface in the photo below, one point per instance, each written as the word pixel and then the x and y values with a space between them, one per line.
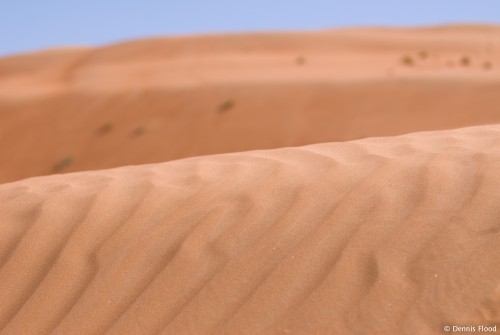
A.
pixel 157 100
pixel 394 235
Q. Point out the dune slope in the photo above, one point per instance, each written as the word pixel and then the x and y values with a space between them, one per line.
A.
pixel 396 235
pixel 156 100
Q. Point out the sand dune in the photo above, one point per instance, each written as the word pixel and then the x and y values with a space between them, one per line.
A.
pixel 396 235
pixel 156 100
pixel 360 232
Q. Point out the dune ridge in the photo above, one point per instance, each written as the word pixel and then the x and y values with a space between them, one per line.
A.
pixel 394 235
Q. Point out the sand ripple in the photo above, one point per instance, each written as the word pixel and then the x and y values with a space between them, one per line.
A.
pixel 396 235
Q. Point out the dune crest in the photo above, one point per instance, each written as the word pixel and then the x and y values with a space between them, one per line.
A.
pixel 395 235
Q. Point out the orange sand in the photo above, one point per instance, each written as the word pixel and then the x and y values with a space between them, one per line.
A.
pixel 382 235
pixel 397 235
pixel 162 96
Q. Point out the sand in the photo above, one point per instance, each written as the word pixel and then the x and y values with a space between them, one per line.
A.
pixel 395 235
pixel 338 182
pixel 151 101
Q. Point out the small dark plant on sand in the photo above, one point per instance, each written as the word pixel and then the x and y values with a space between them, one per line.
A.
pixel 64 163
pixel 423 54
pixel 139 131
pixel 226 106
pixel 301 60
pixel 105 128
pixel 465 61
pixel 407 60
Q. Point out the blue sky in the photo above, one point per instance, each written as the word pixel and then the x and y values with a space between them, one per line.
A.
pixel 37 24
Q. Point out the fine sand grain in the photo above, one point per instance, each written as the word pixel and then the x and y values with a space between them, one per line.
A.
pixel 394 235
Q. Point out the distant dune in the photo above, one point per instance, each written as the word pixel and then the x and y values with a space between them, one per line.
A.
pixel 397 235
pixel 162 99
pixel 375 208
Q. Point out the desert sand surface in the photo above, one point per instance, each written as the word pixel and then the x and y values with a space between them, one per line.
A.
pixel 156 100
pixel 391 235
pixel 340 182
